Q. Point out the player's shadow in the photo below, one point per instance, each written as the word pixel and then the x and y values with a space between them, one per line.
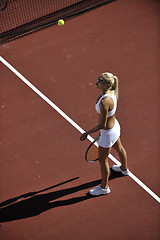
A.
pixel 36 203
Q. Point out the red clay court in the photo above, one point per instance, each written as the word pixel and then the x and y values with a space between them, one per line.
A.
pixel 47 99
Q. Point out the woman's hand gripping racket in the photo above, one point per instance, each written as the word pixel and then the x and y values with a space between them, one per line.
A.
pixel 91 154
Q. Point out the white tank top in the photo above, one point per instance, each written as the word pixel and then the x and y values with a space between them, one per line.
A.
pixel 110 113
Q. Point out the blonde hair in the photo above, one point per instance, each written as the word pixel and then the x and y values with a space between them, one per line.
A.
pixel 112 82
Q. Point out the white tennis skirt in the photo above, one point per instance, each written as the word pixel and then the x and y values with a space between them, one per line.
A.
pixel 109 137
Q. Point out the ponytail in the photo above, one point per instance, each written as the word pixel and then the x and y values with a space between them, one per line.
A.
pixel 115 86
pixel 112 82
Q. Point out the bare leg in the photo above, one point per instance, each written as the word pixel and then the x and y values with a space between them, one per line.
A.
pixel 105 170
pixel 122 153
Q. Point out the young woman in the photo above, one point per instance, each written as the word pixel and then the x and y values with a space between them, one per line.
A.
pixel 109 129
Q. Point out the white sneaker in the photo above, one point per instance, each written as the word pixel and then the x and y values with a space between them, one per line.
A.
pixel 117 168
pixel 99 191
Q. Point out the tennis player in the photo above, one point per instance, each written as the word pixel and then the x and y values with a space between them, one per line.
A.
pixel 109 129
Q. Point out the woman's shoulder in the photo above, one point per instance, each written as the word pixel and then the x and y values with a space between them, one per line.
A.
pixel 109 98
pixel 112 94
pixel 109 95
pixel 106 96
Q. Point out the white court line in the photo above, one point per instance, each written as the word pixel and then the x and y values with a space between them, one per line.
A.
pixel 73 123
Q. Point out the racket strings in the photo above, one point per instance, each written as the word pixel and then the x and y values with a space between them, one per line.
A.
pixel 92 151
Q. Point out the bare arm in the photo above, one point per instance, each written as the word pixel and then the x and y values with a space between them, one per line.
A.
pixel 102 119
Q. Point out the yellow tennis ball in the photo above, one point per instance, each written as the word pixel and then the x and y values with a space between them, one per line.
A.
pixel 60 22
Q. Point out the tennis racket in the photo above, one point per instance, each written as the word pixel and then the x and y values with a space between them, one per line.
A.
pixel 91 154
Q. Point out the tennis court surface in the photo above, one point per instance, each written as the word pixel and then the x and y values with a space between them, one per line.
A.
pixel 47 99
